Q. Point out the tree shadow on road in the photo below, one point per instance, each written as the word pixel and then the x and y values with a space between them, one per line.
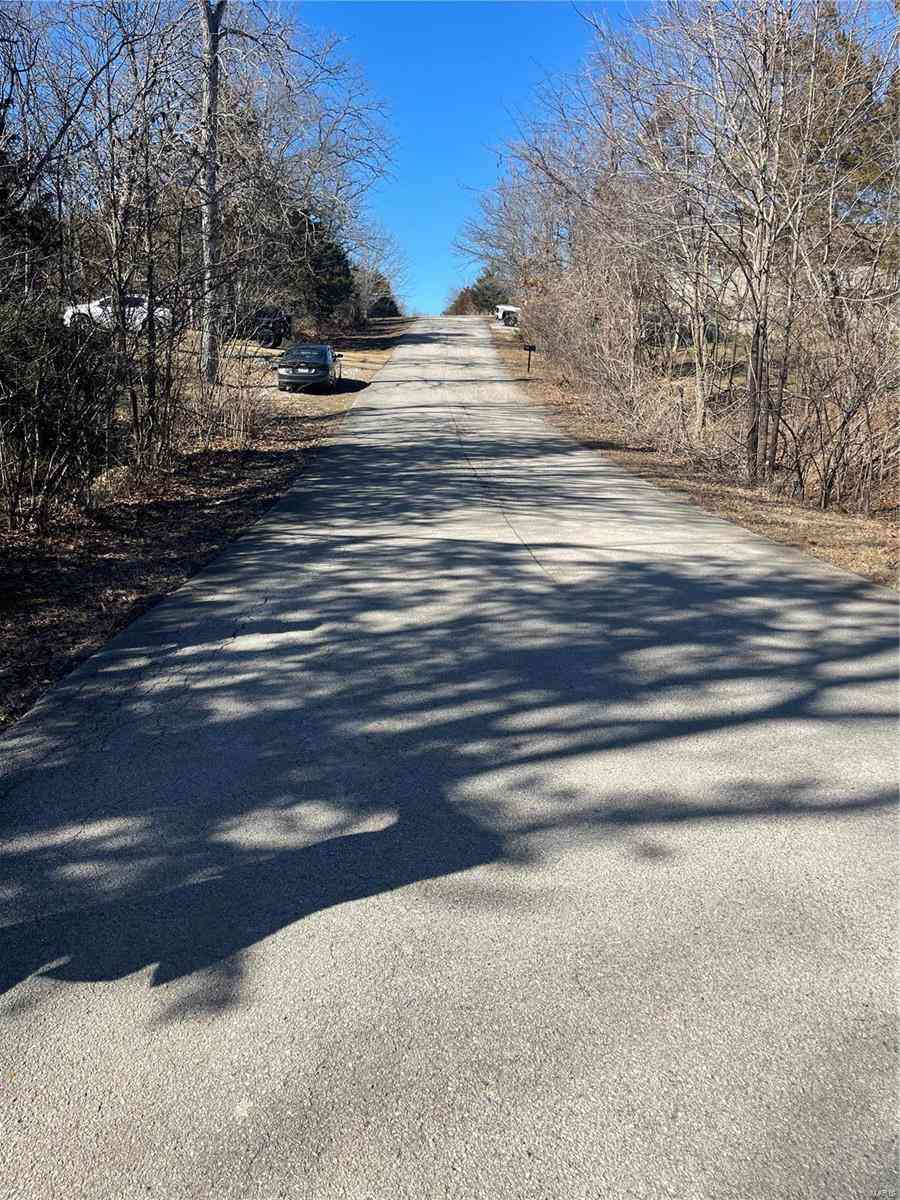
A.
pixel 213 776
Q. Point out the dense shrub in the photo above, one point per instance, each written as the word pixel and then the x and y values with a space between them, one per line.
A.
pixel 58 394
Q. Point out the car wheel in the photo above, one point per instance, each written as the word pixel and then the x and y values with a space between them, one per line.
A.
pixel 82 323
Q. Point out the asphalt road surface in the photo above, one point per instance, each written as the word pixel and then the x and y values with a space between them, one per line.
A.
pixel 484 823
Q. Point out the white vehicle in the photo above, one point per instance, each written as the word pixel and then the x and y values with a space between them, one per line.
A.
pixel 502 309
pixel 102 313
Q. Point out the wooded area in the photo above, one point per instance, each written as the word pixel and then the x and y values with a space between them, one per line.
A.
pixel 701 227
pixel 208 155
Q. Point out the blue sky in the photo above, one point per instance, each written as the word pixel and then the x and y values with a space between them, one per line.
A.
pixel 453 76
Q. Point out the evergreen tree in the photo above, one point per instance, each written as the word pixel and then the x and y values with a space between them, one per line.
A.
pixel 462 304
pixel 318 271
pixel 482 296
pixel 488 292
pixel 385 306
pixel 329 288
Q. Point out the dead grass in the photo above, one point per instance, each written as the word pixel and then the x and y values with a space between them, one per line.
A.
pixel 867 546
pixel 63 595
pixel 364 354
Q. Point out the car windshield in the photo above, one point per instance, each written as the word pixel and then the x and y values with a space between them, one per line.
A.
pixel 308 354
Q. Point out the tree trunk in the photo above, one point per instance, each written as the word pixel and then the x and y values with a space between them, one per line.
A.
pixel 758 402
pixel 701 382
pixel 753 403
pixel 211 12
pixel 762 441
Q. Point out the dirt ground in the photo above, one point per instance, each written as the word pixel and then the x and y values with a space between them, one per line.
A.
pixel 63 595
pixel 867 546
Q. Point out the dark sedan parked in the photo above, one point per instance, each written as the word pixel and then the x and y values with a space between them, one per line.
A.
pixel 306 365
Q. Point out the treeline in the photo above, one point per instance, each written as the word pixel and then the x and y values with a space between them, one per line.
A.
pixel 482 296
pixel 702 226
pixel 208 155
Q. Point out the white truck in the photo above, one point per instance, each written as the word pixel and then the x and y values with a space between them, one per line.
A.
pixel 102 313
pixel 507 314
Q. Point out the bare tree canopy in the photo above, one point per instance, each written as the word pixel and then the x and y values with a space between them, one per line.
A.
pixel 704 221
pixel 167 165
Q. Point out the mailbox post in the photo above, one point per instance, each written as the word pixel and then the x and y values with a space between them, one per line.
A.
pixel 531 349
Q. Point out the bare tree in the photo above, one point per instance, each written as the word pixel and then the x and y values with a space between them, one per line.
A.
pixel 212 13
pixel 707 212
pixel 378 266
pixel 172 148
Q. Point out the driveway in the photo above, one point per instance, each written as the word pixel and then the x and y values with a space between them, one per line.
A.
pixel 484 823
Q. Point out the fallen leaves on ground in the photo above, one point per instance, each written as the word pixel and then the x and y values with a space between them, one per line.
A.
pixel 62 595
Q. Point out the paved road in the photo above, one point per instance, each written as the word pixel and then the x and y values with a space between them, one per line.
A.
pixel 484 823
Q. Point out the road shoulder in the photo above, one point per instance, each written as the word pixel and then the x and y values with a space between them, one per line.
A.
pixel 864 546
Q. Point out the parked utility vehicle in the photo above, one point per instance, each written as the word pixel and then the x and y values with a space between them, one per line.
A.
pixel 102 314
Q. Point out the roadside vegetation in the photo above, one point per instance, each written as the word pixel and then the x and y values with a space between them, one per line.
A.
pixel 186 162
pixel 482 296
pixel 700 228
pixel 67 590
pixel 864 544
